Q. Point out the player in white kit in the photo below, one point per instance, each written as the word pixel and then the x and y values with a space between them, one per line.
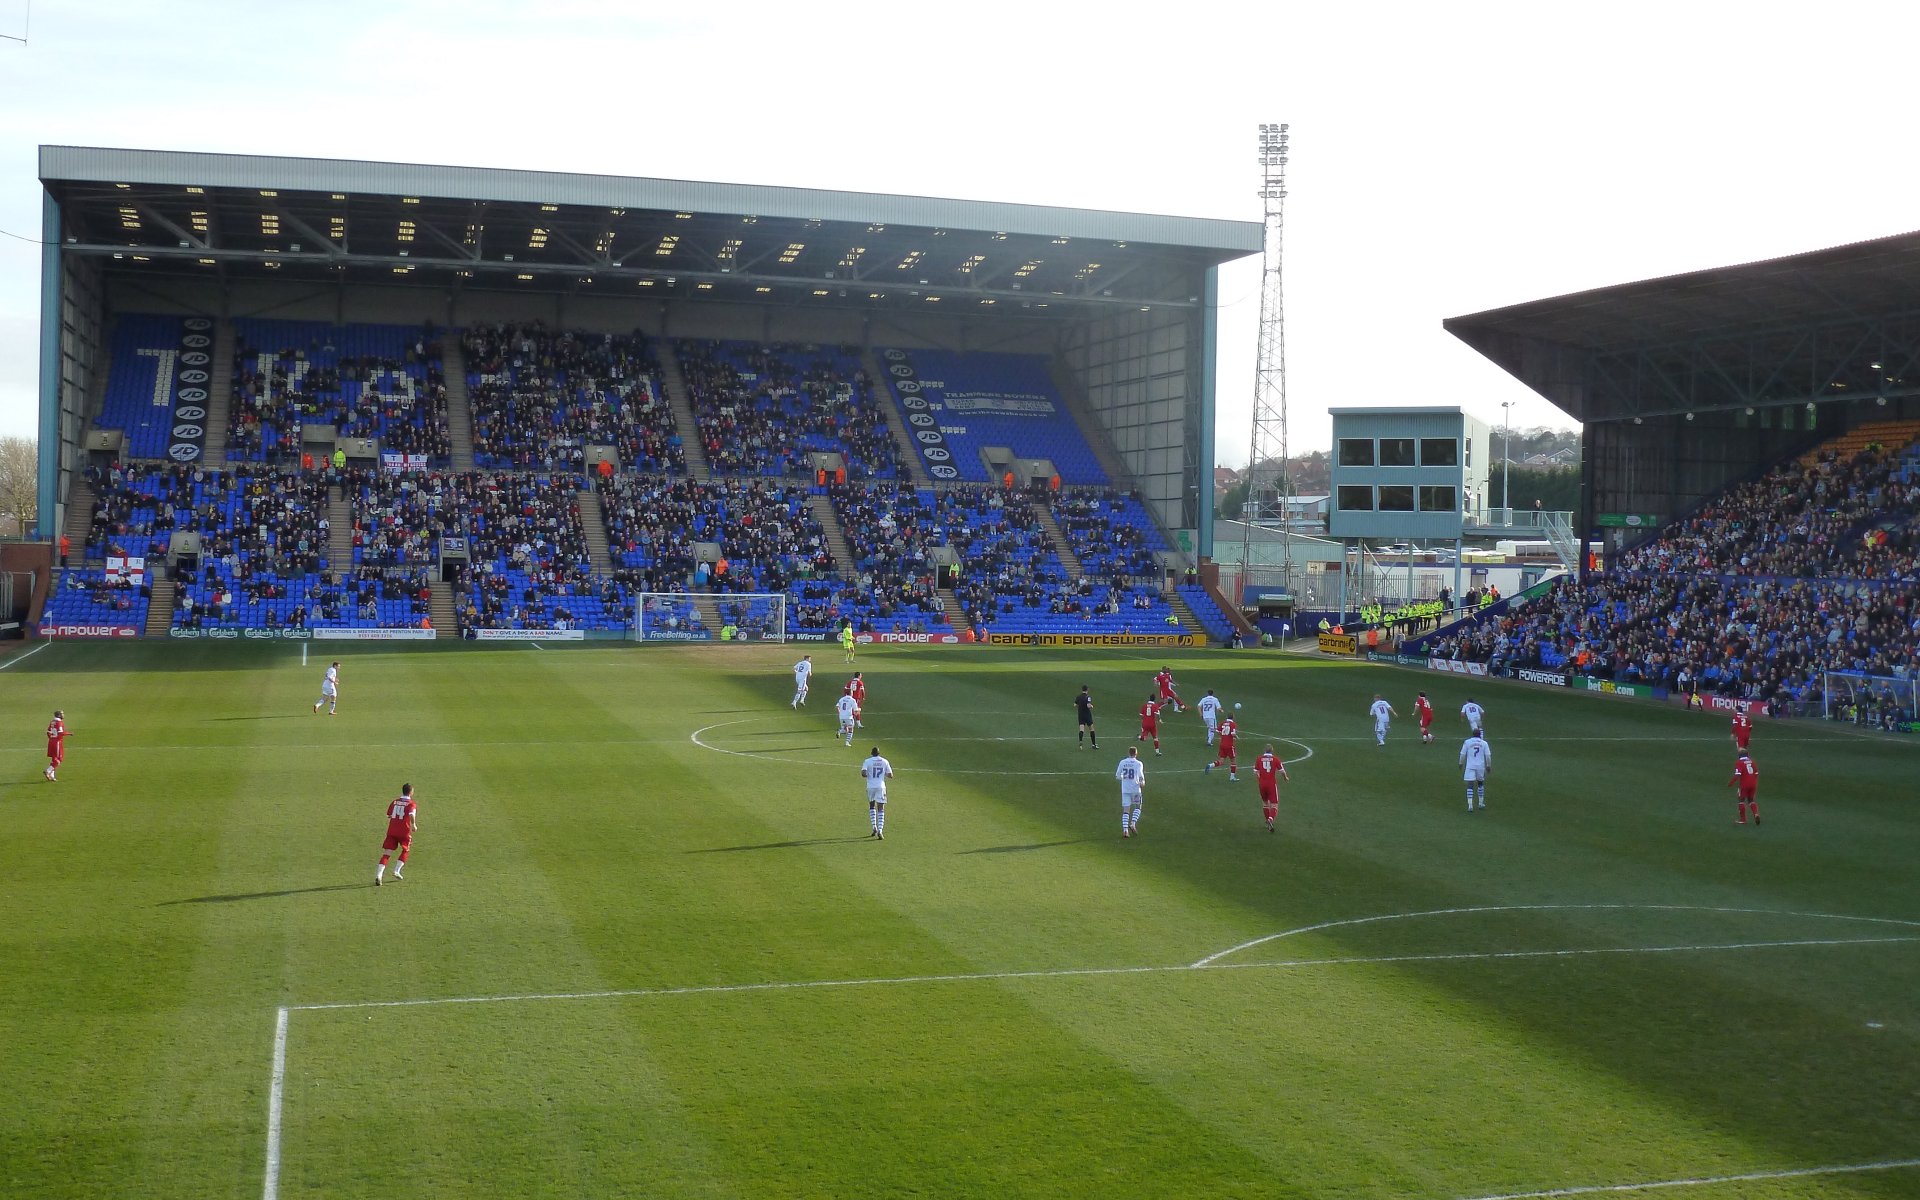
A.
pixel 330 691
pixel 876 771
pixel 1132 774
pixel 849 710
pixel 1475 758
pixel 1382 714
pixel 1474 715
pixel 1209 707
pixel 802 674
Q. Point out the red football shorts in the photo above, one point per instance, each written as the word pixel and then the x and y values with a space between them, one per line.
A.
pixel 1150 729
pixel 1741 739
pixel 56 752
pixel 1748 793
pixel 1269 794
pixel 395 841
pixel 1226 748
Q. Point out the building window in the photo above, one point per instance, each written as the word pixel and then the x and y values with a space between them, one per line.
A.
pixel 1396 498
pixel 1356 499
pixel 1439 452
pixel 1396 452
pixel 1438 499
pixel 1356 452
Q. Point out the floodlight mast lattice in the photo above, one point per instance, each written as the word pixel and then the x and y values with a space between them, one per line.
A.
pixel 1269 471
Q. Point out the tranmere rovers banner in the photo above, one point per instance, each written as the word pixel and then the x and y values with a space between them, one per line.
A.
pixel 1096 639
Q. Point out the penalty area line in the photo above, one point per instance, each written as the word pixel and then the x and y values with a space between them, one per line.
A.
pixel 276 1097
pixel 1082 972
pixel 1892 1164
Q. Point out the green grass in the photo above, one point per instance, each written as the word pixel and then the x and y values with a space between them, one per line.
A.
pixel 206 859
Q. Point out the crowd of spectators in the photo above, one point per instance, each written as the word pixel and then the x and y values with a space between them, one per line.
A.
pixel 528 565
pixel 541 397
pixel 300 377
pixel 1800 519
pixel 893 531
pixel 762 409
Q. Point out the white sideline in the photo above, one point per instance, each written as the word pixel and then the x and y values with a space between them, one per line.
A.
pixel 1892 1164
pixel 24 657
pixel 276 1093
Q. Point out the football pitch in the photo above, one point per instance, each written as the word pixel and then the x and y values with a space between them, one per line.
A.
pixel 645 947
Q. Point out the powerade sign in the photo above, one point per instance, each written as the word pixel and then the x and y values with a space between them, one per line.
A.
pixel 922 421
pixel 192 390
pixel 1553 678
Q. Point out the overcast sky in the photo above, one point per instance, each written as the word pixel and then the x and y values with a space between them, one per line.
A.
pixel 1447 158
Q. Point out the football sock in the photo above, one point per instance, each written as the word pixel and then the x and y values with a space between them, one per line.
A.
pixel 403 858
pixel 1094 738
pixel 1755 806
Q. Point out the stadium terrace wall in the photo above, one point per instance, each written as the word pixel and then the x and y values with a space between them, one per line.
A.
pixel 1145 379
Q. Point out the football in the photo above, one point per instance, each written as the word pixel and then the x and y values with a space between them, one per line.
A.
pixel 1236 706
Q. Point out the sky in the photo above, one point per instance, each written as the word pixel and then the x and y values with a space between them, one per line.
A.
pixel 1446 158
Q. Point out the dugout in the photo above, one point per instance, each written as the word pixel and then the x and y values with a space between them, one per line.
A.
pixel 1124 304
pixel 1687 384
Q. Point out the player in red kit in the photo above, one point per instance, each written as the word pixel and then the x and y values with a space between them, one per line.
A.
pixel 1150 722
pixel 1742 730
pixel 1268 770
pixel 1746 778
pixel 56 743
pixel 1228 728
pixel 857 688
pixel 1164 680
pixel 402 818
pixel 1422 706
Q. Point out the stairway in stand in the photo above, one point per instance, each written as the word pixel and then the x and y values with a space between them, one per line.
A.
pixel 160 608
pixel 219 396
pixel 903 443
pixel 1188 622
pixel 1058 537
pixel 446 620
pixel 459 401
pixel 593 524
pixel 708 606
pixel 681 402
pixel 956 611
pixel 836 535
pixel 339 534
pixel 79 520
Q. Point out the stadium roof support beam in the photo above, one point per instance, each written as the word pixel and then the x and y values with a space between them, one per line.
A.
pixel 1847 358
pixel 574 267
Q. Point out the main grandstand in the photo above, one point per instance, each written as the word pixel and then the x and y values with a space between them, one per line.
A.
pixel 295 397
pixel 1752 445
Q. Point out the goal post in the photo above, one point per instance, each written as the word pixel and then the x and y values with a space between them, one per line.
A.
pixel 1883 701
pixel 710 617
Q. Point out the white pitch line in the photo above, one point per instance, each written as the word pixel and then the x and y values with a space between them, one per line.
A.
pixel 24 657
pixel 276 1094
pixel 1893 1164
pixel 1078 972
pixel 1210 959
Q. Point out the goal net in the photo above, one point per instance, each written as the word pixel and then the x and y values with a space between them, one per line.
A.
pixel 710 617
pixel 1882 701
